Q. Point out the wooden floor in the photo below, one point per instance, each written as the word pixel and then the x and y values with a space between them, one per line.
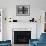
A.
pixel 20 45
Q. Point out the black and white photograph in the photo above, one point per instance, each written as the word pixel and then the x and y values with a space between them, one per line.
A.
pixel 23 10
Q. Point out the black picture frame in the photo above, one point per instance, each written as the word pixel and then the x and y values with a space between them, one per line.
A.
pixel 27 10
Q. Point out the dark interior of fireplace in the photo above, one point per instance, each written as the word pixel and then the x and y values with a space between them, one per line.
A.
pixel 22 37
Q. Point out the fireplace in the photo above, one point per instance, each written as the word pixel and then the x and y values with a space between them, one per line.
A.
pixel 22 37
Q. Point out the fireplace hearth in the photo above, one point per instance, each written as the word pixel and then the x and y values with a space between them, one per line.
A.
pixel 22 37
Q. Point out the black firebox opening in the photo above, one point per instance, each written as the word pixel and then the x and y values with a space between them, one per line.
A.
pixel 22 37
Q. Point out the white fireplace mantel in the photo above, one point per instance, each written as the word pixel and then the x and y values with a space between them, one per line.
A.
pixel 26 27
pixel 21 29
pixel 15 26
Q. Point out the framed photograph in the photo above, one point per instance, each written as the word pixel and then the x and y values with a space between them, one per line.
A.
pixel 22 10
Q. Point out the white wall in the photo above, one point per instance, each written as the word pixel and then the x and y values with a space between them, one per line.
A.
pixel 4 25
pixel 34 3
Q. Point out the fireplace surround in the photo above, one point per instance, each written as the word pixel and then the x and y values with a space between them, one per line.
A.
pixel 22 37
